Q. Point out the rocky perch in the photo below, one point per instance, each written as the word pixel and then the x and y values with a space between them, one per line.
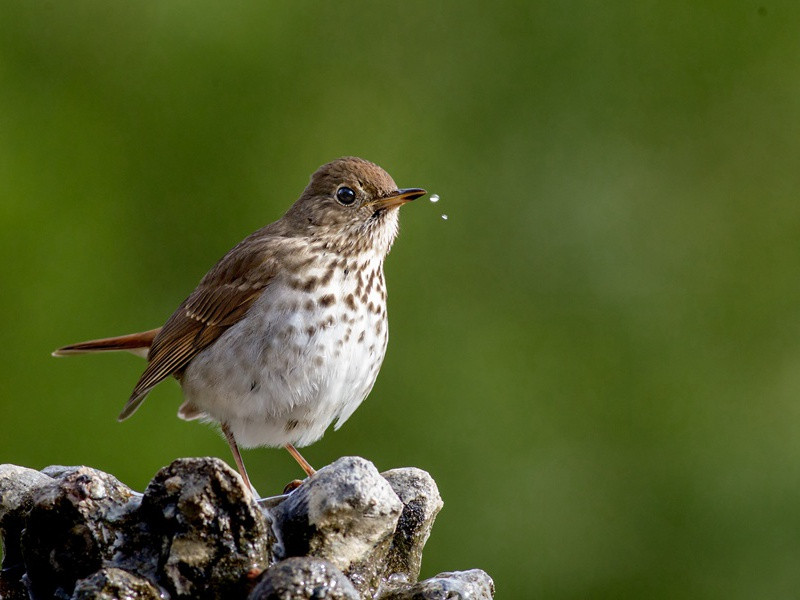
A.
pixel 348 532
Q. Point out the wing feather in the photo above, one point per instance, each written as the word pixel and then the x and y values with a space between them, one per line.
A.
pixel 221 299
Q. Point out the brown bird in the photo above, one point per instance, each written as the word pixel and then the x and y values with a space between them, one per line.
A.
pixel 287 332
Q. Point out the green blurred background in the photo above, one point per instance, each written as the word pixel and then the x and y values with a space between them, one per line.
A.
pixel 597 356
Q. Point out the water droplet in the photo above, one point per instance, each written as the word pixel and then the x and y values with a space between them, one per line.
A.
pixel 444 217
pixel 434 198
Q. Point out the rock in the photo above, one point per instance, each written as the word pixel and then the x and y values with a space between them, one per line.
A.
pixel 74 533
pixel 421 503
pixel 467 585
pixel 210 530
pixel 304 578
pixel 17 487
pixel 58 471
pixel 345 513
pixel 113 584
pixel 12 586
pixel 72 528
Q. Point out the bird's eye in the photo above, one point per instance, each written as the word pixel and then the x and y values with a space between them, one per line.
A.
pixel 345 195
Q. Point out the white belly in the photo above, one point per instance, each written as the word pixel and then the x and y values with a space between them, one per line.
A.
pixel 296 362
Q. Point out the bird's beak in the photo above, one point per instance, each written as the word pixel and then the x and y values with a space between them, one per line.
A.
pixel 397 198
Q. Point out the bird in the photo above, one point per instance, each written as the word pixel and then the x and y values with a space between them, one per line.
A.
pixel 288 330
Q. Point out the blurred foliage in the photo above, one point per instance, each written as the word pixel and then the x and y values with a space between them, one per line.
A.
pixel 597 355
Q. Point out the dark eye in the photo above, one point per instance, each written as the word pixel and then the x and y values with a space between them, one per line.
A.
pixel 345 195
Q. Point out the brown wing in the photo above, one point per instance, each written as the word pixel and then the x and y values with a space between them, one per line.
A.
pixel 223 297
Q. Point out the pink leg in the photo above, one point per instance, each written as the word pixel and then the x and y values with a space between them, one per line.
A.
pixel 300 460
pixel 238 457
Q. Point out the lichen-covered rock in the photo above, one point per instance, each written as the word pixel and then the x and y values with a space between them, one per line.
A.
pixel 459 585
pixel 421 503
pixel 59 471
pixel 304 578
pixel 345 513
pixel 115 584
pixel 209 528
pixel 72 527
pixel 74 533
pixel 17 487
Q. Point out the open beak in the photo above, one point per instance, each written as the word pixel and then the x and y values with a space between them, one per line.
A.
pixel 397 198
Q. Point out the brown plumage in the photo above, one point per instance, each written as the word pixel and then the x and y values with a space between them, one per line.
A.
pixel 259 345
pixel 136 343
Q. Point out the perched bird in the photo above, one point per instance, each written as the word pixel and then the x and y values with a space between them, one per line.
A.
pixel 287 332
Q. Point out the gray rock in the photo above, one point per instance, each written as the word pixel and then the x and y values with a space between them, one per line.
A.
pixel 72 527
pixel 210 531
pixel 17 485
pixel 17 488
pixel 465 585
pixel 197 532
pixel 59 471
pixel 421 503
pixel 115 584
pixel 345 513
pixel 304 578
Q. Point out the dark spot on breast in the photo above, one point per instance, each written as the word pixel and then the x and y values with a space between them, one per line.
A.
pixel 326 279
pixel 325 323
pixel 318 361
pixel 327 300
pixel 370 282
pixel 362 336
pixel 360 284
pixel 350 301
pixel 310 284
pixel 291 425
pixel 311 331
pixel 309 305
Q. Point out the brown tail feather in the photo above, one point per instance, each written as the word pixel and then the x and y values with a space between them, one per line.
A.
pixel 136 343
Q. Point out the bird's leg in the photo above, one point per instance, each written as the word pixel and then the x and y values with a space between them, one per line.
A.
pixel 238 457
pixel 300 460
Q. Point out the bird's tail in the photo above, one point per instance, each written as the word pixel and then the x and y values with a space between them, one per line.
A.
pixel 135 343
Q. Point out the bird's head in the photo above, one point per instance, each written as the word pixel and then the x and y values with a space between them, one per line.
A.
pixel 352 204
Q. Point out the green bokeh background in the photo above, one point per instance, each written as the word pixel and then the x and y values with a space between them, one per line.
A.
pixel 597 356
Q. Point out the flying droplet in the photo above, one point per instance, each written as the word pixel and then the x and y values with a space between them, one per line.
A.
pixel 434 198
pixel 444 217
